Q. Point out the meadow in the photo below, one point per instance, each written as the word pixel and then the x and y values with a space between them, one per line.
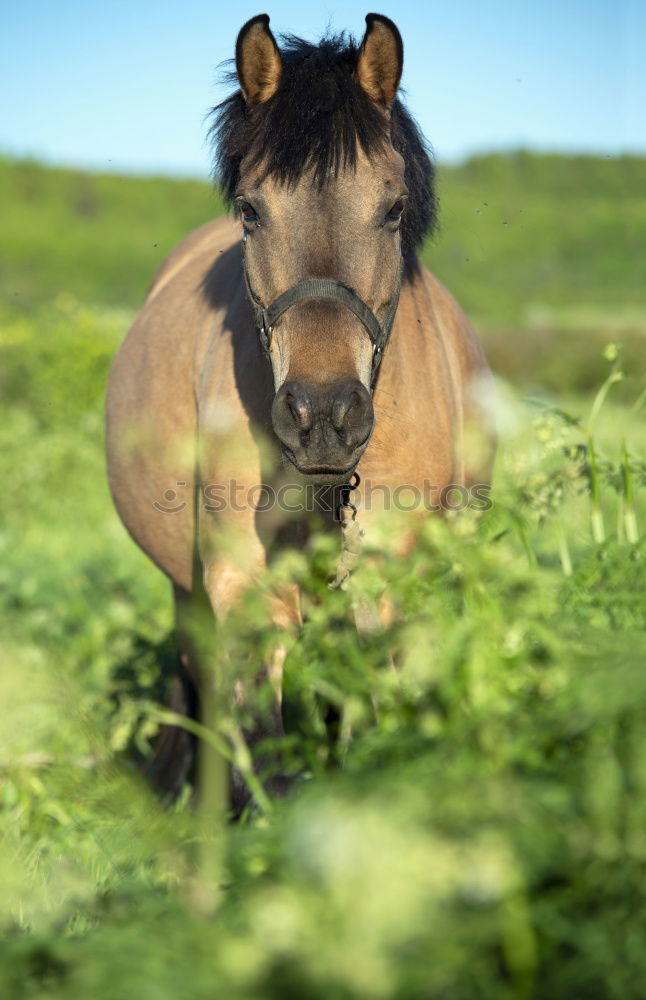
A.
pixel 475 825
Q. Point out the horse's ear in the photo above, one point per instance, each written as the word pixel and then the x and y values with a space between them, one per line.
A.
pixel 380 60
pixel 258 61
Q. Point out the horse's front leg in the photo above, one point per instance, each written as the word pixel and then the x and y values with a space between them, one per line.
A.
pixel 241 693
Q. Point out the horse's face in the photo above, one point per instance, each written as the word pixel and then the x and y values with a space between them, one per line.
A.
pixel 321 354
pixel 344 226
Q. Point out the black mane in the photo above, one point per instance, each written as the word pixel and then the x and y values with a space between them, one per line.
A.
pixel 319 116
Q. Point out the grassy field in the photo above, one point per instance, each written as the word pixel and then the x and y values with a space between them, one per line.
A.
pixel 477 826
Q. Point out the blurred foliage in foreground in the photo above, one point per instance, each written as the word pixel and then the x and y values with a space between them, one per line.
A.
pixel 474 828
pixel 474 825
pixel 543 252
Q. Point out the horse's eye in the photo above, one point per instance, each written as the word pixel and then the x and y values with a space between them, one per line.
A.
pixel 396 211
pixel 248 213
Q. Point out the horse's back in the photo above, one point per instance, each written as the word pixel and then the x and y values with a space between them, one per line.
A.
pixel 459 333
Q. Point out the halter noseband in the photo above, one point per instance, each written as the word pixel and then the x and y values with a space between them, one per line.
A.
pixel 324 288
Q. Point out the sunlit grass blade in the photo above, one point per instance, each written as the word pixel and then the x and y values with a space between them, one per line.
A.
pixel 613 379
pixel 596 515
pixel 630 520
pixel 564 550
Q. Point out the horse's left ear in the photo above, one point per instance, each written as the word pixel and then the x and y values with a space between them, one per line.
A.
pixel 380 60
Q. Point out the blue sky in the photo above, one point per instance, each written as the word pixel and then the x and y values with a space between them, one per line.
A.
pixel 126 85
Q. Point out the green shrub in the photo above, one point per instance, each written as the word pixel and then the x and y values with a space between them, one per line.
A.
pixel 472 827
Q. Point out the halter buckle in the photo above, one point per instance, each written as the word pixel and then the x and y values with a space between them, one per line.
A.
pixel 265 331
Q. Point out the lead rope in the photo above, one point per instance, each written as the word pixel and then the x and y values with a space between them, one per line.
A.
pixel 351 535
pixel 366 617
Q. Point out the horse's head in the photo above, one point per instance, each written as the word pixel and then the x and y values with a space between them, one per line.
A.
pixel 308 152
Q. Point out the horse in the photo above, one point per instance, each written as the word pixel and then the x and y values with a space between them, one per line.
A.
pixel 293 342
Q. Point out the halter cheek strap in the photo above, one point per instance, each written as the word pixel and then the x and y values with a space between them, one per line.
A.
pixel 325 288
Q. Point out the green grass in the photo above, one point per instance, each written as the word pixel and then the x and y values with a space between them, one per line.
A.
pixel 98 237
pixel 477 826
pixel 524 234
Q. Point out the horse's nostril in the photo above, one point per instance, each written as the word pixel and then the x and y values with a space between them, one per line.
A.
pixel 344 410
pixel 300 411
pixel 340 409
pixel 351 416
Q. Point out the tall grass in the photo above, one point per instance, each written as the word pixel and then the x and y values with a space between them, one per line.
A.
pixel 472 827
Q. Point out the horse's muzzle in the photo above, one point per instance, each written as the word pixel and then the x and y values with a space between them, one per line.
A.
pixel 323 428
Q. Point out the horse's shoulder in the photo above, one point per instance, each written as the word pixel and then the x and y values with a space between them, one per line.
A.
pixel 443 304
pixel 195 252
pixel 453 324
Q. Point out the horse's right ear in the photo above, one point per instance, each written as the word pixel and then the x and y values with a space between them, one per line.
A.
pixel 258 61
pixel 381 58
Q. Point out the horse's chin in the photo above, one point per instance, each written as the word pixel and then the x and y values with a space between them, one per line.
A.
pixel 316 475
pixel 324 478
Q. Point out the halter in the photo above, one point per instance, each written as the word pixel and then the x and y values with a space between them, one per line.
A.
pixel 324 288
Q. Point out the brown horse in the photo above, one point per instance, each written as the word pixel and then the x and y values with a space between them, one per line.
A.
pixel 257 362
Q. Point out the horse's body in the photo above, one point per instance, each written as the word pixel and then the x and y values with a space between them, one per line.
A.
pixel 193 351
pixel 192 404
